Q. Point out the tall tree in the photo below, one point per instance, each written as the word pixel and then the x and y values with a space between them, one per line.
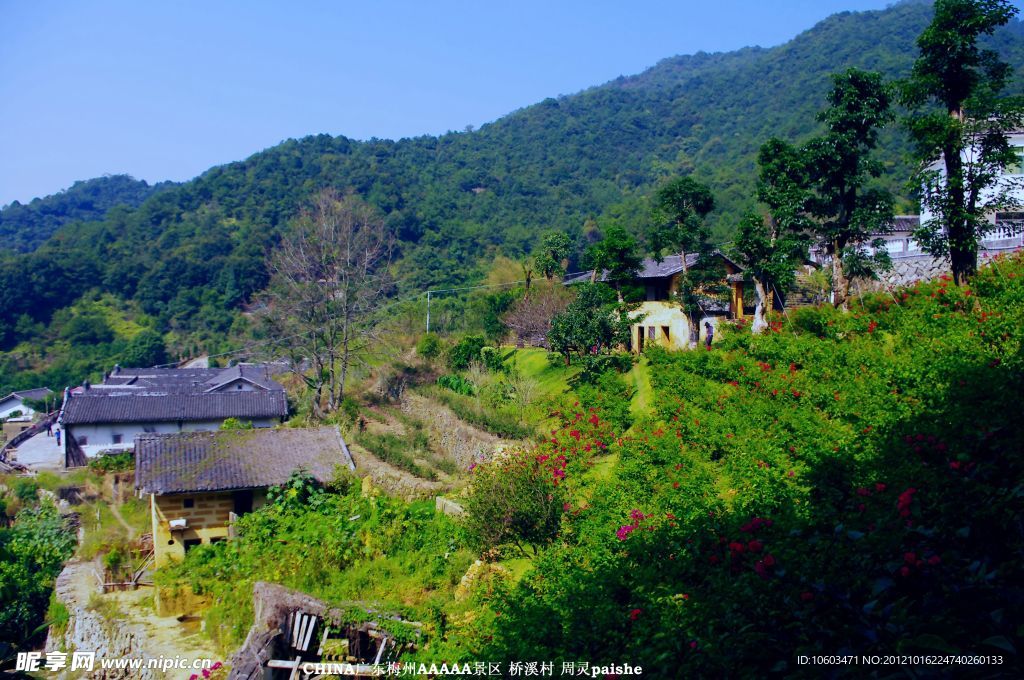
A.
pixel 848 211
pixel 960 129
pixel 770 256
pixel 678 216
pixel 617 255
pixel 770 249
pixel 554 248
pixel 329 275
pixel 593 321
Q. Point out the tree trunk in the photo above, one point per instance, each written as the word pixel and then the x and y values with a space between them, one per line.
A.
pixel 763 300
pixel 840 284
pixel 963 245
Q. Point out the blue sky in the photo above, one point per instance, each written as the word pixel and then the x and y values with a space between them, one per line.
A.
pixel 165 90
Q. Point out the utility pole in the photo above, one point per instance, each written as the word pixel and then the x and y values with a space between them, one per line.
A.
pixel 428 310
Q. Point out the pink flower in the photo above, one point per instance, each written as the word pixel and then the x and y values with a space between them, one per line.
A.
pixel 624 531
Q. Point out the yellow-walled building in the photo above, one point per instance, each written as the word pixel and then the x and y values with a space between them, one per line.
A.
pixel 198 483
pixel 659 319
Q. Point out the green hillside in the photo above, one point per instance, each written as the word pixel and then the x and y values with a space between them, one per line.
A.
pixel 23 227
pixel 192 255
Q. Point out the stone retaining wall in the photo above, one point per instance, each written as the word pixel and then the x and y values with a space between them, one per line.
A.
pixel 88 630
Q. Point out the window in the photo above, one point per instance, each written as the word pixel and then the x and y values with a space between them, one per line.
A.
pixel 650 332
pixel 664 331
pixel 188 503
pixel 82 440
pixel 117 438
pixel 1017 168
pixel 192 542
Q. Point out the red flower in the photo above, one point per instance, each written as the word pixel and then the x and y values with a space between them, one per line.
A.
pixel 635 614
pixel 594 420
pixel 879 487
pixel 575 434
pixel 807 596
pixel 755 546
pixel 769 561
pixel 862 491
pixel 934 560
pixel 909 557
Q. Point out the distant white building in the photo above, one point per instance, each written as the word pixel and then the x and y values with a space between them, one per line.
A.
pixel 15 402
pixel 138 401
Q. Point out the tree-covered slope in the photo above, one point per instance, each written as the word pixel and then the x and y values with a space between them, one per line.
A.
pixel 23 227
pixel 191 255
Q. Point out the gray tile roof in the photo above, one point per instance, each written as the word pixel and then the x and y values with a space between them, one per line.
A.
pixel 98 406
pixel 140 395
pixel 234 459
pixel 255 375
pixel 651 268
pixel 35 393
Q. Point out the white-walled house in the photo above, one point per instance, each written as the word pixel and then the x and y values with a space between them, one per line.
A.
pixel 1008 226
pixel 15 401
pixel 134 402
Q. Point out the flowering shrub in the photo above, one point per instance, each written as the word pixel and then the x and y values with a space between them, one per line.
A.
pixel 850 483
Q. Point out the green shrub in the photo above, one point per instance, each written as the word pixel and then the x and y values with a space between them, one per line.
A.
pixel 429 346
pixel 513 499
pixel 610 395
pixel 457 384
pixel 465 351
pixel 113 462
pixel 25 489
pixel 492 359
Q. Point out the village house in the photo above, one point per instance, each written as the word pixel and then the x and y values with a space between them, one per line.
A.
pixel 134 401
pixel 15 402
pixel 660 319
pixel 198 483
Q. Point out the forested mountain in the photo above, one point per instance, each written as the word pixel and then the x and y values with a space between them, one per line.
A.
pixel 190 255
pixel 23 227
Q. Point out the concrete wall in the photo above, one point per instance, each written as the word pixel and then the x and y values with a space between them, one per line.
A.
pixel 662 315
pixel 207 520
pixel 100 437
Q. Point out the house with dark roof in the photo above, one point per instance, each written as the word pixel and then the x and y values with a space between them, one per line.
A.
pixel 660 319
pixel 15 401
pixel 134 401
pixel 198 483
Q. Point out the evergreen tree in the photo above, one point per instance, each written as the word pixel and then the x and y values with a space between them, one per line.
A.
pixel 960 129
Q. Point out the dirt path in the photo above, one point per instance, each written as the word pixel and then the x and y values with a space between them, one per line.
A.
pixel 117 515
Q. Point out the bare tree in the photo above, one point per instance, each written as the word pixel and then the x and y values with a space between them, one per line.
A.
pixel 328 277
pixel 530 317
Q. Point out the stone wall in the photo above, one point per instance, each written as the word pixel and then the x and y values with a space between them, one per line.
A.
pixel 88 630
pixel 908 270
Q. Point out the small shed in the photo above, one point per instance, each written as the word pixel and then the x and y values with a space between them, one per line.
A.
pixel 200 482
